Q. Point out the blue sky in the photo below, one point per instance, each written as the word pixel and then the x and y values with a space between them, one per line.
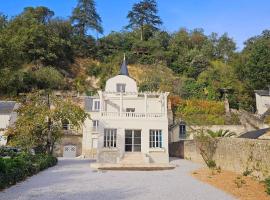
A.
pixel 241 19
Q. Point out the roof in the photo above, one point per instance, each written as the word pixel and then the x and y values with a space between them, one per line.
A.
pixel 6 107
pixel 254 134
pixel 124 68
pixel 263 92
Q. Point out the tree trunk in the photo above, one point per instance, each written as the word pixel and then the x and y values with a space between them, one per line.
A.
pixel 142 33
pixel 49 136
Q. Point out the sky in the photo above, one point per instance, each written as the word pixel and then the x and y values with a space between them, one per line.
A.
pixel 241 19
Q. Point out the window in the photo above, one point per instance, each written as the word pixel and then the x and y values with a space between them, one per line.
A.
pixel 109 138
pixel 95 124
pixel 130 109
pixel 155 139
pixel 182 129
pixel 120 87
pixel 96 105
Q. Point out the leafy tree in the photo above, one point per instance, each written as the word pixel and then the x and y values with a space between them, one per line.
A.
pixel 3 21
pixel 48 78
pixel 85 17
pixel 218 75
pixel 39 122
pixel 142 15
pixel 254 67
pixel 41 14
pixel 224 47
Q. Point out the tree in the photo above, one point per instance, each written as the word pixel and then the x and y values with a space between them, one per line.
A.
pixel 3 21
pixel 39 122
pixel 41 14
pixel 255 62
pixel 224 47
pixel 85 17
pixel 144 14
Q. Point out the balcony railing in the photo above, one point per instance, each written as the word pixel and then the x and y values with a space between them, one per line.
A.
pixel 132 115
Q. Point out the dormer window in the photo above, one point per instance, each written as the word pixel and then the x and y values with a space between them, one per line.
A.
pixel 120 87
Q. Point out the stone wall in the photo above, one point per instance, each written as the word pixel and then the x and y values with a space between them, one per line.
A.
pixel 235 154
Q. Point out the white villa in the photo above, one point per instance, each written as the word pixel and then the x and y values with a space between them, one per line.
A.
pixel 126 126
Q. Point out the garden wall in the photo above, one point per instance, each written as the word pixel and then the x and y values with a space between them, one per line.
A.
pixel 235 154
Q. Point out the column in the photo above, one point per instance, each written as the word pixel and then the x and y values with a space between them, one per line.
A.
pixel 165 103
pixel 100 102
pixel 145 104
pixel 121 103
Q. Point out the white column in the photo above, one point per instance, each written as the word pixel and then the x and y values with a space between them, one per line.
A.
pixel 145 104
pixel 121 103
pixel 100 102
pixel 165 103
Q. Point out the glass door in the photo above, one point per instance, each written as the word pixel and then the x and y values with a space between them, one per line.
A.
pixel 133 140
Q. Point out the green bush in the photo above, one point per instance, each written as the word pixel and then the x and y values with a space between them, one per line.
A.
pixel 15 169
pixel 201 112
pixel 267 184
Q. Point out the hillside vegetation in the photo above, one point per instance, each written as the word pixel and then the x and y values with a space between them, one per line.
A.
pixel 41 51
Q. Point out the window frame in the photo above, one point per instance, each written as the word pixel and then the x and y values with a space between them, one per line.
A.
pixel 182 130
pixel 95 124
pixel 155 139
pixel 110 138
pixel 94 105
pixel 120 87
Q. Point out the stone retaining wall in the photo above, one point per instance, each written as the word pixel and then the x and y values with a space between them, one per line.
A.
pixel 235 154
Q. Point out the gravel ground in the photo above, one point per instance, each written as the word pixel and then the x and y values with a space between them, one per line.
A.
pixel 73 179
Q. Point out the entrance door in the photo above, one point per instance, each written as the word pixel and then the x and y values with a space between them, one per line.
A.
pixel 132 140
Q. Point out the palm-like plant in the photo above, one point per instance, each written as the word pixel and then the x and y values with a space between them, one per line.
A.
pixel 220 133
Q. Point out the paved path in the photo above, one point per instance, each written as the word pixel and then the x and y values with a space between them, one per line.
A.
pixel 74 180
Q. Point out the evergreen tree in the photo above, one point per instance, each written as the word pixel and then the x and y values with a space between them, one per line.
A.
pixel 144 14
pixel 85 17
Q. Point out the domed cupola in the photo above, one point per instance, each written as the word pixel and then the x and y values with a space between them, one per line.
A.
pixel 122 82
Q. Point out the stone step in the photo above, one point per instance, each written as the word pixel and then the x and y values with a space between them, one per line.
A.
pixel 133 158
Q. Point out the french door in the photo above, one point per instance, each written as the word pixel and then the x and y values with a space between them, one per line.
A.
pixel 132 140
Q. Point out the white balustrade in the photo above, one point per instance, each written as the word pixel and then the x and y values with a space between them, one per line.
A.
pixel 132 115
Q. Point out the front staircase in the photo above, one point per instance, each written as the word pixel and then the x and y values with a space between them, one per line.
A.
pixel 134 158
pixel 133 161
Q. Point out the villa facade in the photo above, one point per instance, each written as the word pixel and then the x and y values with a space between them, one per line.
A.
pixel 126 123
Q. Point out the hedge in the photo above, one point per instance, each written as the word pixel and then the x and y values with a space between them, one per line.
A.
pixel 18 168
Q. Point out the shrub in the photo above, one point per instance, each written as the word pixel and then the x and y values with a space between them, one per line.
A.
pixel 207 147
pixel 211 164
pixel 267 184
pixel 239 181
pixel 201 112
pixel 15 169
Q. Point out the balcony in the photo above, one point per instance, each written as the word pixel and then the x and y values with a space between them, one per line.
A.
pixel 132 115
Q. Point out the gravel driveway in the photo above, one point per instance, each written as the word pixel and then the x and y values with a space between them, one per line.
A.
pixel 72 179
